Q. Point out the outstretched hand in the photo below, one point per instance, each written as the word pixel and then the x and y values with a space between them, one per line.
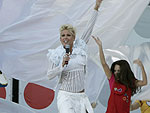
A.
pixel 137 61
pixel 93 104
pixel 97 40
pixel 98 2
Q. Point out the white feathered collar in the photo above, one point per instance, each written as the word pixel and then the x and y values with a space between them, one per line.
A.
pixel 56 55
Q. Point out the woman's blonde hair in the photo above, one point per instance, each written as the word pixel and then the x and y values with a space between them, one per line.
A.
pixel 68 27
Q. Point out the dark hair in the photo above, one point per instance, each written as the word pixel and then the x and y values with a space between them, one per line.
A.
pixel 126 76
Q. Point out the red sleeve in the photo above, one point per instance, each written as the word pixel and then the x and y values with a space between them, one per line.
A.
pixel 111 81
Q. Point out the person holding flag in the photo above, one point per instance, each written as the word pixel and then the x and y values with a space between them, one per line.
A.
pixel 3 80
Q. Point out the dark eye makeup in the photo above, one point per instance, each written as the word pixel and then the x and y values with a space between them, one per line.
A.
pixel 66 34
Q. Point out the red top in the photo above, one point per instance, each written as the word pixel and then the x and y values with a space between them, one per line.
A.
pixel 119 100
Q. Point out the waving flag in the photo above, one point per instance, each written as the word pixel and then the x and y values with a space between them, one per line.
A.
pixel 33 28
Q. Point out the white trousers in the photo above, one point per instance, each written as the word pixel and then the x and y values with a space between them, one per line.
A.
pixel 68 102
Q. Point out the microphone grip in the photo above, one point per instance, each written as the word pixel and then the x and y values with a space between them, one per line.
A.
pixel 66 62
pixel 67 48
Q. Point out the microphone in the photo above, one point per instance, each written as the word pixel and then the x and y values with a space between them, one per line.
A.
pixel 67 48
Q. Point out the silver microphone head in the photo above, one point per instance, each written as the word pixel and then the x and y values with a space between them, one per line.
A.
pixel 67 47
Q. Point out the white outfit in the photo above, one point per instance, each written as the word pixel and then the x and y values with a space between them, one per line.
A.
pixel 68 102
pixel 72 76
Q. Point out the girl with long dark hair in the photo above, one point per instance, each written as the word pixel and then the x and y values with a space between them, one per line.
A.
pixel 122 82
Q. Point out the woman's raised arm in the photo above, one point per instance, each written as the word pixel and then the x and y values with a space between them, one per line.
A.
pixel 144 76
pixel 90 25
pixel 102 58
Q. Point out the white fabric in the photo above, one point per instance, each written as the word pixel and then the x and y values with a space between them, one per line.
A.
pixel 73 81
pixel 12 11
pixel 11 107
pixel 24 43
pixel 73 102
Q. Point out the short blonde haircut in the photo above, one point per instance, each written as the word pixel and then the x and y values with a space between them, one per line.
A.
pixel 68 27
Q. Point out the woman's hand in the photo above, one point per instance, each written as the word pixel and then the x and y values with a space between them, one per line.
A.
pixel 138 62
pixel 97 40
pixel 66 59
pixel 98 2
pixel 93 104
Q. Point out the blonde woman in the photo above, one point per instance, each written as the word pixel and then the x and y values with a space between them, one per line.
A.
pixel 68 62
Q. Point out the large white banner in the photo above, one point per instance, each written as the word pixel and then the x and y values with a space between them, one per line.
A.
pixel 33 27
